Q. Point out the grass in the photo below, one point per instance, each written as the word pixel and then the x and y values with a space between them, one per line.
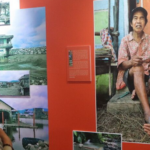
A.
pixel 100 22
pixel 35 63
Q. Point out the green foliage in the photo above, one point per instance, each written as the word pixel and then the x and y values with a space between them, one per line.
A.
pixel 112 136
pixel 102 83
pixel 100 22
pixel 79 137
pixel 100 137
pixel 75 133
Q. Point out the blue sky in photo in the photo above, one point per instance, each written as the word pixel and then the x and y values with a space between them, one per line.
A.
pixel 12 75
pixel 5 1
pixel 37 99
pixel 28 27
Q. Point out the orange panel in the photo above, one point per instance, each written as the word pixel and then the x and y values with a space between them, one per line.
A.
pixel 71 105
pixel 146 5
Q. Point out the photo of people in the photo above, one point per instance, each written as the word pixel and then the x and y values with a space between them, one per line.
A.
pixel 123 31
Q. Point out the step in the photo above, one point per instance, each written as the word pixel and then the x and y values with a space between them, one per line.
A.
pixel 125 104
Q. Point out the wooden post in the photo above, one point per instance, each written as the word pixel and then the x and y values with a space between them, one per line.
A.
pixel 114 72
pixel 114 18
pixel 18 119
pixel 34 132
pixel 109 16
pixel 19 133
pixel 115 40
pixel 110 77
pixel 2 117
pixel 116 22
pixel 116 15
pixel 34 119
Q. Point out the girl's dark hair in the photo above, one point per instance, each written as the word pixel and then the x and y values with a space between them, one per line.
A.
pixel 138 9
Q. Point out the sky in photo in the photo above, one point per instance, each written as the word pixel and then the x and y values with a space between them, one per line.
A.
pixel 37 99
pixel 27 25
pixel 12 75
pixel 4 1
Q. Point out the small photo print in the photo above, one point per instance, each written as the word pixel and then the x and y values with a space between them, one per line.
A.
pixel 15 83
pixel 70 58
pixel 96 141
pixel 4 12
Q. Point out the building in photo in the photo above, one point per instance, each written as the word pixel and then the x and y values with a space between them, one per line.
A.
pixel 4 13
pixel 5 46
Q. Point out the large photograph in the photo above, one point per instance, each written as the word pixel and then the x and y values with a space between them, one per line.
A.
pixel 23 44
pixel 122 44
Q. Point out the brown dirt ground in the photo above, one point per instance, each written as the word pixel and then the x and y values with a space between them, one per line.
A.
pixel 129 124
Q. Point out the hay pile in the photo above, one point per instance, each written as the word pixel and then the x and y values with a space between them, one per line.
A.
pixel 129 124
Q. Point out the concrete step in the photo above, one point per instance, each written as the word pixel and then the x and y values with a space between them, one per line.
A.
pixel 123 90
pixel 125 104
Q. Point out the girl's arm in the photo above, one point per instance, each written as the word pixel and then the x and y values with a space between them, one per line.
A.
pixel 7 144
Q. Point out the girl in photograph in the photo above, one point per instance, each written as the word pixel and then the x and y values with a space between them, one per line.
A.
pixel 134 59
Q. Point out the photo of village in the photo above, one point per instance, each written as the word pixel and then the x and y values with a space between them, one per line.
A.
pixel 25 50
pixel 14 83
pixel 25 120
pixel 117 112
pixel 96 141
pixel 4 12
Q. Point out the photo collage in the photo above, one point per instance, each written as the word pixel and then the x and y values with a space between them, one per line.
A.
pixel 23 75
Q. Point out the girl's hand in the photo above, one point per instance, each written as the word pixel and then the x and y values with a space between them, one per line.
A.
pixel 147 128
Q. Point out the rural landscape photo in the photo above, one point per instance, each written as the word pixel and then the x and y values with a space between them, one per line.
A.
pixel 25 120
pixel 23 44
pixel 14 83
